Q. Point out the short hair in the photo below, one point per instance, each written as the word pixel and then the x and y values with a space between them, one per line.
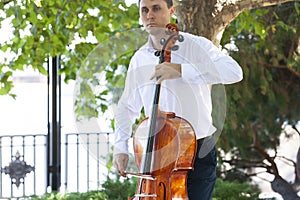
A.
pixel 169 3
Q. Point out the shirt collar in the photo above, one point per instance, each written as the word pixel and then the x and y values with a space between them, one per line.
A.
pixel 149 46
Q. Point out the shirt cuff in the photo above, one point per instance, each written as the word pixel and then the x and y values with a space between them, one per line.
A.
pixel 121 147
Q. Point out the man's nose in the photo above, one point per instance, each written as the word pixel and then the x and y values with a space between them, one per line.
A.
pixel 150 14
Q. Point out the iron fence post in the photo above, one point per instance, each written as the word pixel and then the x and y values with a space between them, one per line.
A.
pixel 54 128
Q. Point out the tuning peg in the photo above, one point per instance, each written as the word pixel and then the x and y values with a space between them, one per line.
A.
pixel 174 48
pixel 162 41
pixel 180 38
pixel 157 53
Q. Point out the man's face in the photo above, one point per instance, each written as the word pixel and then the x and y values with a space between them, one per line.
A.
pixel 155 14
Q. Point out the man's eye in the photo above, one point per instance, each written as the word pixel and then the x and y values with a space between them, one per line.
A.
pixel 156 8
pixel 145 10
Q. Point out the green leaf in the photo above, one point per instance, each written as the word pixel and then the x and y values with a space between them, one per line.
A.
pixel 42 70
pixel 297 7
pixel 5 84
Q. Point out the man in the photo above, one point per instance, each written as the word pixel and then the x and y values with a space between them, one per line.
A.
pixel 186 90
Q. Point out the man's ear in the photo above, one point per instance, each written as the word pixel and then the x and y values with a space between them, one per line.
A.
pixel 172 10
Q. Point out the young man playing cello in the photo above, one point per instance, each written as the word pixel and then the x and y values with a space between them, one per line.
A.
pixel 186 82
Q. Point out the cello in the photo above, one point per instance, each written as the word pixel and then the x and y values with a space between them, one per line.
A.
pixel 164 144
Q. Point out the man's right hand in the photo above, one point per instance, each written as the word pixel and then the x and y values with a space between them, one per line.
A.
pixel 120 162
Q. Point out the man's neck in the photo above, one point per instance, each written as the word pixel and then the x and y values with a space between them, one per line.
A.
pixel 155 41
pixel 155 36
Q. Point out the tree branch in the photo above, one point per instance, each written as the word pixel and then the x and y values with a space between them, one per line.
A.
pixel 297 164
pixel 6 2
pixel 292 70
pixel 246 164
pixel 257 146
pixel 225 12
pixel 280 185
pixel 252 4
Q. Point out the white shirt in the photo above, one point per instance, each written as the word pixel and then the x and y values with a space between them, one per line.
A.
pixel 189 97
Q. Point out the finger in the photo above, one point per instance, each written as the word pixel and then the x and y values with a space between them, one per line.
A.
pixel 123 173
pixel 117 165
pixel 122 169
pixel 156 75
pixel 126 162
pixel 159 80
pixel 153 76
pixel 156 72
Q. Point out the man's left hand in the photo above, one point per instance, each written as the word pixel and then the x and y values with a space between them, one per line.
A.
pixel 166 71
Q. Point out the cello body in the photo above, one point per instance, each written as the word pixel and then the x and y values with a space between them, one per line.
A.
pixel 172 157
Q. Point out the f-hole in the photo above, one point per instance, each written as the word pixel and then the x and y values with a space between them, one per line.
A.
pixel 161 184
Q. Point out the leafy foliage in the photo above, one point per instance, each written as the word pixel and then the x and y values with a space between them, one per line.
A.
pixel 225 190
pixel 70 29
pixel 269 94
pixel 90 195
pixel 101 77
pixel 112 188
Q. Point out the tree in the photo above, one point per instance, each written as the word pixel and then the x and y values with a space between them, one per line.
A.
pixel 43 29
pixel 271 76
pixel 210 18
pixel 269 36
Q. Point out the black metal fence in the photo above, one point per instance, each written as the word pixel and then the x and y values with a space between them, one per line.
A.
pixel 86 157
pixel 23 163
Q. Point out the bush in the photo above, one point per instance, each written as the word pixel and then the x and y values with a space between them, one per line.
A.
pixel 225 190
pixel 119 189
pixel 90 195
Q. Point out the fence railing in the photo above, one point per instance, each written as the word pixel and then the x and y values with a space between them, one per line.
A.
pixel 23 165
pixel 86 157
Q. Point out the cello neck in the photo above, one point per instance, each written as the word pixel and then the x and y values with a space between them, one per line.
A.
pixel 146 162
pixel 164 56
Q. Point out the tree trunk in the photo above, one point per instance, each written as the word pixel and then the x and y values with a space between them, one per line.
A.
pixel 284 188
pixel 209 18
pixel 197 17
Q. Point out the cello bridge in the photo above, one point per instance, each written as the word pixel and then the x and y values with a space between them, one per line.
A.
pixel 145 195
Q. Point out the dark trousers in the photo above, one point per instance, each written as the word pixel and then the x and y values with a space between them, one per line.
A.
pixel 201 180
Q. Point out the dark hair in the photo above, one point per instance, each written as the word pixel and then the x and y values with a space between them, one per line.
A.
pixel 169 3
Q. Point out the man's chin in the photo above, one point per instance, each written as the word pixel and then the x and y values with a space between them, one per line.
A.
pixel 155 30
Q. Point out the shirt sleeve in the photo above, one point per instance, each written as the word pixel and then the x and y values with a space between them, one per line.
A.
pixel 207 64
pixel 128 109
